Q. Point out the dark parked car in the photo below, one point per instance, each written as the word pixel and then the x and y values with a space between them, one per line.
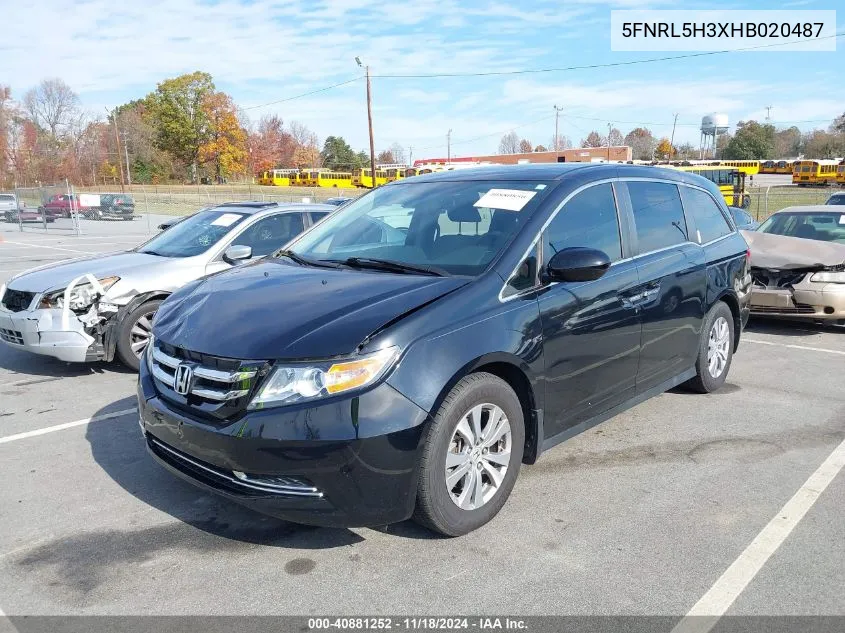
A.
pixel 115 206
pixel 28 214
pixel 743 219
pixel 361 376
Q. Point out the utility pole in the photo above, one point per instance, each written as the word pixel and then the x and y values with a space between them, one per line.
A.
pixel 768 112
pixel 609 128
pixel 370 122
pixel 449 147
pixel 672 140
pixel 410 155
pixel 117 140
pixel 557 112
pixel 126 154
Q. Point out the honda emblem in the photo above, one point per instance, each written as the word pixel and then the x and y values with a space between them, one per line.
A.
pixel 182 379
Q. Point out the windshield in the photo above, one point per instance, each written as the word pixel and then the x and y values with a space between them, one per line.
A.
pixel 193 235
pixel 825 227
pixel 836 199
pixel 456 227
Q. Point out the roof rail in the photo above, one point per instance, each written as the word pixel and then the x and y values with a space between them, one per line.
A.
pixel 249 203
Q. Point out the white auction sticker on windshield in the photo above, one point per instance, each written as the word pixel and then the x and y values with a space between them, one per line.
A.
pixel 842 219
pixel 507 199
pixel 227 219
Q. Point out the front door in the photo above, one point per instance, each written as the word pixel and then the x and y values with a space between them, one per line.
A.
pixel 591 330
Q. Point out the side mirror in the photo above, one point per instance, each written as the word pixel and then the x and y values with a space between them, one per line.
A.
pixel 235 254
pixel 578 264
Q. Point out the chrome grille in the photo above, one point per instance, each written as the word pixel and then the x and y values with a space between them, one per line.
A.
pixel 210 384
pixel 17 300
pixel 206 386
pixel 11 336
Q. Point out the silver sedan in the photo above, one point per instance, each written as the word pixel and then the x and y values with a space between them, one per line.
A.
pixel 96 308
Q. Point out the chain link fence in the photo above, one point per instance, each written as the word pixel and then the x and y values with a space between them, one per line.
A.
pixel 767 200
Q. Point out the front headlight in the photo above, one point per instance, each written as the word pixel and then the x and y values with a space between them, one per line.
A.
pixel 832 277
pixel 81 297
pixel 294 383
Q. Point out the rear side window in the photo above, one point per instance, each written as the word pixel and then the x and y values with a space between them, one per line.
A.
pixel 709 221
pixel 658 214
pixel 589 219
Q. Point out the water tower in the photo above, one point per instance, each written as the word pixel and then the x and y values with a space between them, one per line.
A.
pixel 712 126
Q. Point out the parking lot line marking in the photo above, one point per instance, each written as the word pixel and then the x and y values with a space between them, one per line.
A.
pixel 706 612
pixel 804 347
pixel 66 425
pixel 55 248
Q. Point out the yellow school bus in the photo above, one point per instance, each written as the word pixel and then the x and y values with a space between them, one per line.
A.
pixel 394 173
pixel 784 166
pixel 814 172
pixel 278 177
pixel 748 167
pixel 840 173
pixel 362 177
pixel 768 167
pixel 731 182
pixel 334 179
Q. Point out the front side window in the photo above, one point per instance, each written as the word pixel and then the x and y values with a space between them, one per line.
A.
pixel 457 227
pixel 658 215
pixel 709 221
pixel 588 220
pixel 195 234
pixel 271 233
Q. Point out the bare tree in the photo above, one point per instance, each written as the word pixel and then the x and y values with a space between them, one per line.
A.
pixel 563 142
pixel 509 143
pixel 615 138
pixel 303 136
pixel 525 146
pixel 52 105
pixel 398 153
pixel 594 139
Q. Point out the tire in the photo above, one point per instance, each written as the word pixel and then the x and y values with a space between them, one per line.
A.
pixel 126 337
pixel 715 320
pixel 437 504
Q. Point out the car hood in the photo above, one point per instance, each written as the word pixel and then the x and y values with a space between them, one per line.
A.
pixel 782 252
pixel 60 274
pixel 271 310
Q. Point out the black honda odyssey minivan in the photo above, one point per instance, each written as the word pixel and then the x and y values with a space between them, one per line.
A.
pixel 408 353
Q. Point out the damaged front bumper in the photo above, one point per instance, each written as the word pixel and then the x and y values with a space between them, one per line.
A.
pixel 801 298
pixel 59 332
pixel 46 332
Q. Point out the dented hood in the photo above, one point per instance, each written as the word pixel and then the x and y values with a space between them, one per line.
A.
pixel 272 310
pixel 782 252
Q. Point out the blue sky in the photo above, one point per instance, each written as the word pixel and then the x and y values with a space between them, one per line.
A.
pixel 267 50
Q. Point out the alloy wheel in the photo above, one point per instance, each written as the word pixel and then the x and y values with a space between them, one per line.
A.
pixel 718 346
pixel 139 335
pixel 478 456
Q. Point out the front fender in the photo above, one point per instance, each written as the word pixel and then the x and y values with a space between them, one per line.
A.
pixel 112 326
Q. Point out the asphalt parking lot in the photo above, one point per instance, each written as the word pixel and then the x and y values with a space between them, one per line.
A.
pixel 641 515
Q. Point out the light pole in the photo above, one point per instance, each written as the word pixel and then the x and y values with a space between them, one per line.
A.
pixel 449 147
pixel 117 141
pixel 672 140
pixel 609 129
pixel 369 122
pixel 557 112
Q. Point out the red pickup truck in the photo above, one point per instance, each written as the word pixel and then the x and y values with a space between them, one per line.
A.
pixel 59 206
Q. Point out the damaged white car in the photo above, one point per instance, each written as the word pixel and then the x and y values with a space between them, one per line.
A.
pixel 798 264
pixel 96 308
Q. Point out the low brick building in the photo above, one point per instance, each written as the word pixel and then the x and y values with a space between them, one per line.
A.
pixel 577 155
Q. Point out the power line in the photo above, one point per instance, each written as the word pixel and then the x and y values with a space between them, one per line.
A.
pixel 594 66
pixel 305 94
pixel 478 138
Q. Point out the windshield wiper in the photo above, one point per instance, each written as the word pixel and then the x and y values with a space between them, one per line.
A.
pixel 156 253
pixel 392 266
pixel 304 261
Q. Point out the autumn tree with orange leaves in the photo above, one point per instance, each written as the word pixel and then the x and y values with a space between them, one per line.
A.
pixel 225 146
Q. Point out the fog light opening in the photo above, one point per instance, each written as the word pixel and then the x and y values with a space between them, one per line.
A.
pixel 829 310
